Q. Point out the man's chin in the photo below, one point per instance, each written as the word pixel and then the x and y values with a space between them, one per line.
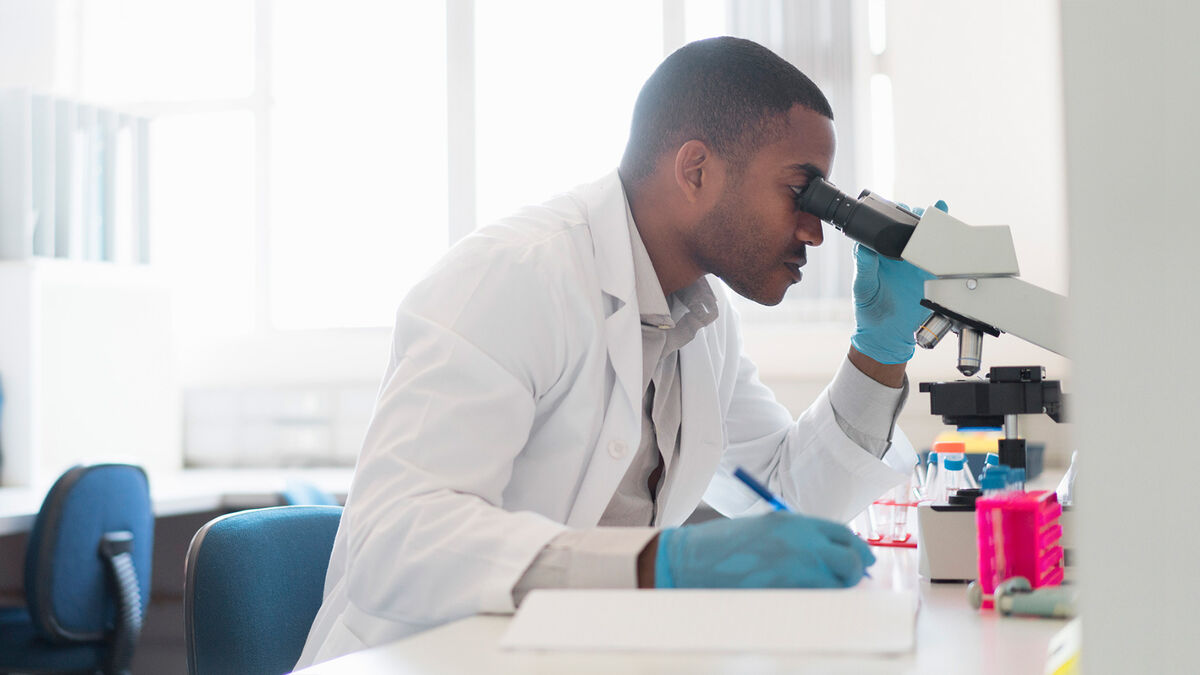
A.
pixel 770 301
pixel 764 291
pixel 768 297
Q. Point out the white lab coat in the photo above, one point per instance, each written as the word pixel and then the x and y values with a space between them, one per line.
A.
pixel 512 407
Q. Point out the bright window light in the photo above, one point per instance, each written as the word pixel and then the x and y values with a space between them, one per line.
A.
pixel 704 19
pixel 883 135
pixel 166 50
pixel 877 26
pixel 358 158
pixel 555 87
pixel 202 211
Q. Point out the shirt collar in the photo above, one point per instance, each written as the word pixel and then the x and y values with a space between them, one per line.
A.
pixel 653 306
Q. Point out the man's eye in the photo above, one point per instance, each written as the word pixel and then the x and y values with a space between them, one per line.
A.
pixel 797 193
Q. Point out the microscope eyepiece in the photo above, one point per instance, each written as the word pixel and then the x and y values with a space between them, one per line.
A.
pixel 870 220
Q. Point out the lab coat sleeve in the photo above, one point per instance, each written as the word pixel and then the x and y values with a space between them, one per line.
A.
pixel 428 540
pixel 809 461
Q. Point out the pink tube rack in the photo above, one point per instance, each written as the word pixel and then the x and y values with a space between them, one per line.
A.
pixel 1018 536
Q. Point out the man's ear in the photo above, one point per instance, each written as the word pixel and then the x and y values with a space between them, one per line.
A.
pixel 697 171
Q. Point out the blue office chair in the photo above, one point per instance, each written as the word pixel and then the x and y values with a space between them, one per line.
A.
pixel 254 583
pixel 87 571
pixel 303 493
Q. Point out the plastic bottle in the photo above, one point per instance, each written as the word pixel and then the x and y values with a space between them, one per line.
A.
pixel 992 459
pixel 950 450
pixel 954 477
pixel 997 470
pixel 971 481
pixel 993 484
pixel 931 474
pixel 916 483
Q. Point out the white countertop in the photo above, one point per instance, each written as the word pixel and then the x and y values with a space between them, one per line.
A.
pixel 950 637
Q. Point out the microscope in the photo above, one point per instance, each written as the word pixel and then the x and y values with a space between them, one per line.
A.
pixel 975 292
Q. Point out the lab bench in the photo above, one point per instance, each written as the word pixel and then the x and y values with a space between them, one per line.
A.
pixel 950 637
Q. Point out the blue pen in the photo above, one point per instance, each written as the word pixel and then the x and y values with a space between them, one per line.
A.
pixel 762 491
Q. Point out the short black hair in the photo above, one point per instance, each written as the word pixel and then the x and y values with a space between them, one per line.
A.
pixel 724 91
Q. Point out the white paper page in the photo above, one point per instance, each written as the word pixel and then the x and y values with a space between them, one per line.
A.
pixel 859 621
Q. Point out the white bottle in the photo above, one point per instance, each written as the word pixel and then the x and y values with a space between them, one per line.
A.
pixel 954 476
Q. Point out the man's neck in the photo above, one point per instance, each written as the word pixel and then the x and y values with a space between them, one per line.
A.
pixel 661 236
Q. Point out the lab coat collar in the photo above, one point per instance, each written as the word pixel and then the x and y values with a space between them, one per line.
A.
pixel 607 216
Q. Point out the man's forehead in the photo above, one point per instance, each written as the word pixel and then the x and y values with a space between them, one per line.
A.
pixel 803 145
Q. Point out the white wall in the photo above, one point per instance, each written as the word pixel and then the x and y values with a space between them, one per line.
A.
pixel 979 119
pixel 978 122
pixel 1132 93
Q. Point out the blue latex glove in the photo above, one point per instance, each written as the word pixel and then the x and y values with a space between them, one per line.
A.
pixel 776 550
pixel 887 303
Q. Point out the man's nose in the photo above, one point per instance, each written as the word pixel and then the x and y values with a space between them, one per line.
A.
pixel 810 231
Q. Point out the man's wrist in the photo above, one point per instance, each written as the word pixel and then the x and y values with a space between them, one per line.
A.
pixel 887 374
pixel 645 564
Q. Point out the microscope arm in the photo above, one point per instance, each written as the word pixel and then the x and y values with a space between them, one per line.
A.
pixel 1007 304
pixel 977 282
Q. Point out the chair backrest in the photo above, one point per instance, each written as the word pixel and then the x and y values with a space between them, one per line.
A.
pixel 254 583
pixel 66 585
pixel 304 493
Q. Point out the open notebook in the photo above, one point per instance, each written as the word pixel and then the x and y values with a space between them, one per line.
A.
pixel 858 621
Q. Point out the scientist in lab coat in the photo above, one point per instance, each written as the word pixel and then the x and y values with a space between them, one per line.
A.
pixel 566 385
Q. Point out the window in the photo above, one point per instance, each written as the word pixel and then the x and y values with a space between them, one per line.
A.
pixel 554 98
pixel 302 148
pixel 357 159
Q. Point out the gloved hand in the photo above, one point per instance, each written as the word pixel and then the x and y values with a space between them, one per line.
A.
pixel 776 550
pixel 887 303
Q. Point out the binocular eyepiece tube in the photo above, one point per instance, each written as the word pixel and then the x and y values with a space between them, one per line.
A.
pixel 871 220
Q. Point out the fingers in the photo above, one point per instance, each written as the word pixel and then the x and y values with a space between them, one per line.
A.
pixel 866 265
pixel 842 535
pixel 865 257
pixel 940 205
pixel 844 563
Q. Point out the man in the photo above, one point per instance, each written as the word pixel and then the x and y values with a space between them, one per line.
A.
pixel 566 382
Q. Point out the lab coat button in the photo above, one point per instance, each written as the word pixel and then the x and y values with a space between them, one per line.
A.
pixel 617 449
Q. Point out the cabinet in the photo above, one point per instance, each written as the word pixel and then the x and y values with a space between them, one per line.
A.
pixel 86 368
